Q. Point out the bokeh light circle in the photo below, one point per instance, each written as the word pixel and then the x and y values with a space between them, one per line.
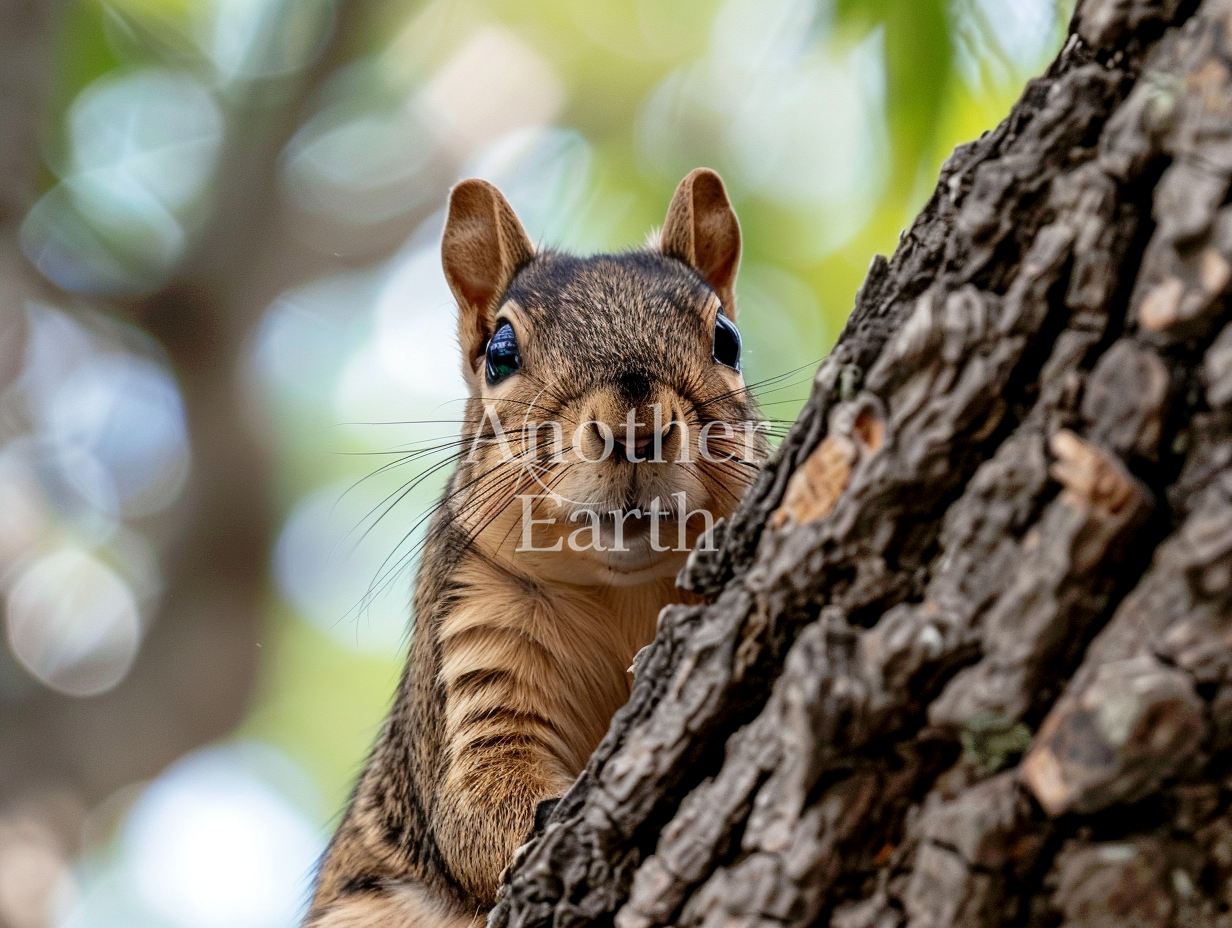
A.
pixel 211 844
pixel 128 413
pixel 143 148
pixel 73 623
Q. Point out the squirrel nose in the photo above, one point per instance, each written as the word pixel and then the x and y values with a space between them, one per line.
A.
pixel 642 443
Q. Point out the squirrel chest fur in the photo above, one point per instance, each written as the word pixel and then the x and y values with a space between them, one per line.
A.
pixel 607 427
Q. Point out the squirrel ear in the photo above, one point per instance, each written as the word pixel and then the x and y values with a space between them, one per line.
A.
pixel 483 246
pixel 701 229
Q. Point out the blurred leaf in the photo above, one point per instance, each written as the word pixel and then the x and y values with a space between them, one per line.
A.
pixel 160 10
pixel 918 68
pixel 860 15
pixel 82 51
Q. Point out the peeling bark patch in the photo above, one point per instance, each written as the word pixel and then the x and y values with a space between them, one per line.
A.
pixel 1116 741
pixel 1162 304
pixel 1091 477
pixel 857 431
pixel 817 484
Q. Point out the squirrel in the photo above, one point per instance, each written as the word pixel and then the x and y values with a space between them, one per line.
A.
pixel 547 561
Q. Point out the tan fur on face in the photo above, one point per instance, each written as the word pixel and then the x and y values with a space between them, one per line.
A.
pixel 688 387
pixel 519 658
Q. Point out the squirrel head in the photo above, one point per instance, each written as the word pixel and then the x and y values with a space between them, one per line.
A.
pixel 610 421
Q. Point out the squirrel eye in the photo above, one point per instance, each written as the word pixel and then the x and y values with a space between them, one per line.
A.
pixel 726 342
pixel 502 353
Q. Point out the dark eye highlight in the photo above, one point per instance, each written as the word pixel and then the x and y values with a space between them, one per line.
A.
pixel 502 354
pixel 726 342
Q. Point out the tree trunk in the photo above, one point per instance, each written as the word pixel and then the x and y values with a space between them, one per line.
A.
pixel 966 659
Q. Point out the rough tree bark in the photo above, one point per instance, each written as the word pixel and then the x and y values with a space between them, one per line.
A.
pixel 967 658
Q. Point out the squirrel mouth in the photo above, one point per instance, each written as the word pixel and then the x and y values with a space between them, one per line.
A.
pixel 636 525
pixel 636 519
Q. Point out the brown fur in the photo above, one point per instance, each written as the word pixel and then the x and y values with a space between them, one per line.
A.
pixel 519 658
